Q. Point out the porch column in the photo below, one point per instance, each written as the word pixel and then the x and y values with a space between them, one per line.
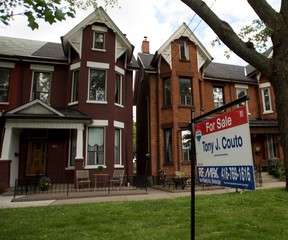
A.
pixel 6 143
pixel 5 162
pixel 79 159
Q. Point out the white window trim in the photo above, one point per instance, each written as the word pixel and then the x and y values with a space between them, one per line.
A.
pixel 7 65
pixel 121 72
pixel 186 51
pixel 95 124
pixel 264 86
pixel 120 165
pixel 72 86
pixel 244 87
pixel 75 66
pixel 97 66
pixel 43 68
pixel 99 29
pixel 32 81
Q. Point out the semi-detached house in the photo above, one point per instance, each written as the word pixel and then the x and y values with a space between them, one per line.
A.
pixel 181 74
pixel 66 106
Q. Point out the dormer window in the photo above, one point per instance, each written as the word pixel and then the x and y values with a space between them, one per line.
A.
pixel 99 37
pixel 184 53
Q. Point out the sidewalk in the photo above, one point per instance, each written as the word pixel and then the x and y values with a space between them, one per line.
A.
pixel 151 194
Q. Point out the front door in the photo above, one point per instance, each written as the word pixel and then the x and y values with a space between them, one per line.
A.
pixel 36 159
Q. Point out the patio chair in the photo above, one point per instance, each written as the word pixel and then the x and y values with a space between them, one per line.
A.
pixel 82 177
pixel 117 179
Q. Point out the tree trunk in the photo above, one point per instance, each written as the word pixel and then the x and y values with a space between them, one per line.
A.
pixel 280 85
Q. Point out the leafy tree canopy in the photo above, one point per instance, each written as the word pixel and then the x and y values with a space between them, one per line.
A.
pixel 51 11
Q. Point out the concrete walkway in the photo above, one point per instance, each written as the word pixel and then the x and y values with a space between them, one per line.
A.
pixel 151 194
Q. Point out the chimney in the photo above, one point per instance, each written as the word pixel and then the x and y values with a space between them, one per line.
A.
pixel 145 46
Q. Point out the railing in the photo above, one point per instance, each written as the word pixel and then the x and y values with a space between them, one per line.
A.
pixel 68 187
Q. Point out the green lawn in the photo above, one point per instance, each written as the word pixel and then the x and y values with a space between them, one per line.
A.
pixel 261 214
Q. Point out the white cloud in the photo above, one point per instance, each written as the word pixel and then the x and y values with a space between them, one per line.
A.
pixel 156 19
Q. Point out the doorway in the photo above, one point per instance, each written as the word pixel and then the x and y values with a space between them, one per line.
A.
pixel 36 159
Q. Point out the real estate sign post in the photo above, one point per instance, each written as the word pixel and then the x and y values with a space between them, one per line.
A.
pixel 223 149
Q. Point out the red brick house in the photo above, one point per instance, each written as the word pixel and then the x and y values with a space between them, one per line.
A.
pixel 181 75
pixel 66 106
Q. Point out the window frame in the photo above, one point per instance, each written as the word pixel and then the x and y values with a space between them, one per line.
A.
pixel 264 87
pixel 72 148
pixel 272 148
pixel 74 86
pixel 99 45
pixel 242 88
pixel 187 96
pixel 105 86
pixel 187 148
pixel 168 149
pixel 118 98
pixel 218 104
pixel 5 89
pixel 166 90
pixel 34 85
pixel 102 152
pixel 118 152
pixel 183 51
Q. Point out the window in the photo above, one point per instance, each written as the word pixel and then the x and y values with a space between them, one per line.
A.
pixel 201 94
pixel 4 84
pixel 95 154
pixel 186 144
pixel 97 85
pixel 266 97
pixel 117 147
pixel 185 91
pixel 73 140
pixel 167 92
pixel 272 146
pixel 184 54
pixel 168 145
pixel 241 90
pixel 118 89
pixel 75 80
pixel 218 96
pixel 41 86
pixel 98 40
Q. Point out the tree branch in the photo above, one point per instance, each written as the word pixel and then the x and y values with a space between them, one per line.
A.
pixel 265 12
pixel 284 11
pixel 230 38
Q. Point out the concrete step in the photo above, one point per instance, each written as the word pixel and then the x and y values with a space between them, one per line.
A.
pixel 266 177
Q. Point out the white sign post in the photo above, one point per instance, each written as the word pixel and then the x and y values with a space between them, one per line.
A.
pixel 223 149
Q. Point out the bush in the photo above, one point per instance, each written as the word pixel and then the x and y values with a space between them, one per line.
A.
pixel 277 170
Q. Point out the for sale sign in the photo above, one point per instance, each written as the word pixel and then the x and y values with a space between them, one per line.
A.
pixel 223 148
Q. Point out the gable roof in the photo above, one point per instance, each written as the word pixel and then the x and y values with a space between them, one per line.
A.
pixel 221 71
pixel 39 109
pixel 73 37
pixel 146 60
pixel 31 48
pixel 203 56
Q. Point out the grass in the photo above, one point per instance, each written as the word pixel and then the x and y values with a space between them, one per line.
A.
pixel 261 214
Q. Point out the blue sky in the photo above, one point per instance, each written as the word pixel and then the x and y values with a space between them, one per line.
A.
pixel 156 19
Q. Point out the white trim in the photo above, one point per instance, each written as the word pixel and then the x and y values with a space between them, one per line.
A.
pixel 100 123
pixel 75 66
pixel 118 124
pixel 7 65
pixel 99 28
pixel 265 85
pixel 98 65
pixel 96 102
pixel 40 67
pixel 19 123
pixel 119 70
pixel 241 86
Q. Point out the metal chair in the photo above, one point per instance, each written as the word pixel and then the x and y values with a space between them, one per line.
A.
pixel 82 177
pixel 118 177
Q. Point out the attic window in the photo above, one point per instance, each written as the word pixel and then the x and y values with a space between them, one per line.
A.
pixel 98 40
pixel 184 53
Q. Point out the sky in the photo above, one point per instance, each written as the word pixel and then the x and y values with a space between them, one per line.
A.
pixel 156 19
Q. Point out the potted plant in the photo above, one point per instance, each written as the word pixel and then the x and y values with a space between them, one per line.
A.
pixel 100 168
pixel 44 183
